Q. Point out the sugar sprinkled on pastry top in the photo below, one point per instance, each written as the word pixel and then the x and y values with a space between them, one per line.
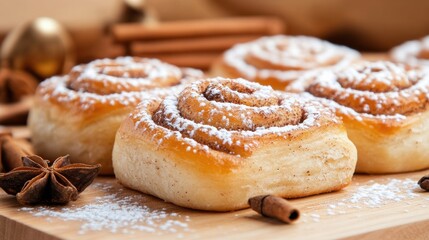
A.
pixel 233 125
pixel 286 57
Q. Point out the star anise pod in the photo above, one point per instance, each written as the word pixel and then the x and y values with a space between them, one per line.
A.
pixel 37 182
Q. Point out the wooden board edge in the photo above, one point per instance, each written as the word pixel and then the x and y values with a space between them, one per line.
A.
pixel 411 231
pixel 11 229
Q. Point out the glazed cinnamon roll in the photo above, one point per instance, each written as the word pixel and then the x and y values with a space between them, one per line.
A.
pixel 79 113
pixel 222 141
pixel 384 107
pixel 415 52
pixel 279 60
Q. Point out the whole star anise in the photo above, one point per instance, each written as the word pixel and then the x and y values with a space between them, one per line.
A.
pixel 37 182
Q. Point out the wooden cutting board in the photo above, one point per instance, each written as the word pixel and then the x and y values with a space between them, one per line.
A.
pixel 384 206
pixel 372 207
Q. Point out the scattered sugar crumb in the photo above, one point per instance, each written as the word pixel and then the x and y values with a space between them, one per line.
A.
pixel 116 214
pixel 368 195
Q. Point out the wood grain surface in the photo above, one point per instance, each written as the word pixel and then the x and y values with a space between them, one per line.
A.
pixel 325 216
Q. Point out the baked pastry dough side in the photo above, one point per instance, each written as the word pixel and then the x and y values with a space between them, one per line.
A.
pixel 314 156
pixel 391 147
pixel 385 108
pixel 57 131
pixel 304 165
pixel 79 113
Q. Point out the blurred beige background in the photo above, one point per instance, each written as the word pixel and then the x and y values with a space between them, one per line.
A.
pixel 363 24
pixel 84 19
pixel 366 24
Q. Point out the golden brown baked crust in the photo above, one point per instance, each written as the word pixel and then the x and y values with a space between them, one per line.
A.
pixel 78 114
pixel 384 107
pixel 222 141
pixel 279 60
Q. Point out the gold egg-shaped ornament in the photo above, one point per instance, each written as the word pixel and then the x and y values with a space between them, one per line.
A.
pixel 41 47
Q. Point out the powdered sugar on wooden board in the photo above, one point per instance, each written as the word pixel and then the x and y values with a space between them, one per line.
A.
pixel 126 214
pixel 370 203
pixel 116 213
pixel 373 194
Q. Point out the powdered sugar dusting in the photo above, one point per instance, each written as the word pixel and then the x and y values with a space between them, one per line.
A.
pixel 81 88
pixel 368 195
pixel 55 88
pixel 376 75
pixel 236 142
pixel 378 194
pixel 370 90
pixel 124 74
pixel 296 55
pixel 116 213
pixel 409 52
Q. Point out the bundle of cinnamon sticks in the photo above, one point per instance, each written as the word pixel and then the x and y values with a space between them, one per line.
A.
pixel 195 43
pixel 16 89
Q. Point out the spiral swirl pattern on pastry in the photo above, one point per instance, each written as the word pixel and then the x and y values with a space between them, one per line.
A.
pixel 228 115
pixel 79 113
pixel 384 107
pixel 221 141
pixel 123 81
pixel 373 89
pixel 281 59
pixel 415 52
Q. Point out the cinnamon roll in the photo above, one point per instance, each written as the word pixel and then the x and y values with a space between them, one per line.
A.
pixel 415 52
pixel 79 113
pixel 279 60
pixel 384 107
pixel 222 141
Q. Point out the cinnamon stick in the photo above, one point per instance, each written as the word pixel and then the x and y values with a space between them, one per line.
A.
pixel 15 113
pixel 18 132
pixel 15 85
pixel 424 182
pixel 215 43
pixel 274 207
pixel 198 28
pixel 105 48
pixel 11 151
pixel 195 60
